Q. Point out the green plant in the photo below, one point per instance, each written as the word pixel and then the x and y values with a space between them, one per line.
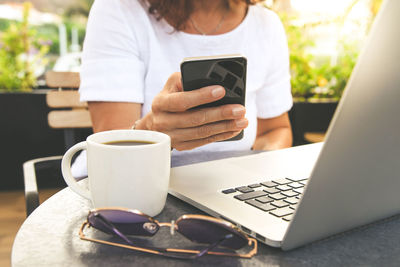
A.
pixel 21 52
pixel 332 79
pixel 80 26
pixel 49 32
pixel 4 24
pixel 317 77
pixel 303 77
pixel 80 8
pixel 320 77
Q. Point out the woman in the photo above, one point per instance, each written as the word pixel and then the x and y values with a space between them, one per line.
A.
pixel 130 71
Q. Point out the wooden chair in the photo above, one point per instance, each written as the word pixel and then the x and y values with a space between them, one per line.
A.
pixel 314 137
pixel 68 114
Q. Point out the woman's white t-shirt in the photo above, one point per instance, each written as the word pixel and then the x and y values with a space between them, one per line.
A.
pixel 128 56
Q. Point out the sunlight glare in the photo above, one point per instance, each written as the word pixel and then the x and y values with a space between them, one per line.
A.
pixel 328 34
pixel 332 7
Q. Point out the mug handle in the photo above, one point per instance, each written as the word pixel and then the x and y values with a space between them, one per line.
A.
pixel 66 170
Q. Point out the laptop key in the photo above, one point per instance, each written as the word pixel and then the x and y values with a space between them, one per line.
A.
pixel 269 184
pixel 282 181
pixel 228 191
pixel 291 200
pixel 280 204
pixel 299 190
pixel 250 195
pixel 288 218
pixel 289 193
pixel 296 185
pixel 283 187
pixel 277 196
pixel 244 189
pixel 271 190
pixel 293 207
pixel 282 212
pixel 261 206
pixel 297 179
pixel 253 202
pixel 254 185
pixel 264 199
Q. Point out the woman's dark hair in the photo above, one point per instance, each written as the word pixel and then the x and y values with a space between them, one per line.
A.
pixel 177 12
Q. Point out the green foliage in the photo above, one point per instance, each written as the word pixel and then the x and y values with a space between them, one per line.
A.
pixel 80 8
pixel 75 24
pixel 4 24
pixel 21 51
pixel 317 77
pixel 332 79
pixel 49 32
pixel 303 78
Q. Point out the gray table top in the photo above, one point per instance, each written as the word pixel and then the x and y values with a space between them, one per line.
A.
pixel 49 237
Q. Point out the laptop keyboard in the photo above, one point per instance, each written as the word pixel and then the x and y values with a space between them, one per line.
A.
pixel 277 197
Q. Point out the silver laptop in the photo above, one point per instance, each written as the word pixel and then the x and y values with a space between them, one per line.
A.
pixel 353 178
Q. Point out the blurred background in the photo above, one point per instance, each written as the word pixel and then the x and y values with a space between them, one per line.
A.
pixel 324 39
pixel 53 33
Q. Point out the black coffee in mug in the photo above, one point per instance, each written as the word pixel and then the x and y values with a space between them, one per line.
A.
pixel 128 143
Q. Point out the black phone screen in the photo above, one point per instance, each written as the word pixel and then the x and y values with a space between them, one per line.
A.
pixel 229 72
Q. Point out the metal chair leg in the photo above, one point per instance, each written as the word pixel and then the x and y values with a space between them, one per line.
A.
pixel 30 182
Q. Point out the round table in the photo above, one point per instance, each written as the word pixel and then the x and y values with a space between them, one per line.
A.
pixel 49 237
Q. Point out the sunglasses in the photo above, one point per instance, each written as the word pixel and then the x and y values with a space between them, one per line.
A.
pixel 211 232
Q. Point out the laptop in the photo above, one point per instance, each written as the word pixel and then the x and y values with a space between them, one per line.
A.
pixel 290 197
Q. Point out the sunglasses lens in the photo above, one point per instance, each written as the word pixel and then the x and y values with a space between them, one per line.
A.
pixel 208 232
pixel 127 222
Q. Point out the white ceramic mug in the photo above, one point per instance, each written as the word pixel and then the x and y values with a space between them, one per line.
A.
pixel 130 176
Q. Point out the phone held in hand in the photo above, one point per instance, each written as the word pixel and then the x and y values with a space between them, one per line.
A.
pixel 229 71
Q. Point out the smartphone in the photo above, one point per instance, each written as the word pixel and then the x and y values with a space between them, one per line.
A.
pixel 229 71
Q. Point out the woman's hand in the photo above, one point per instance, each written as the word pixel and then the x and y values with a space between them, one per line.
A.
pixel 190 128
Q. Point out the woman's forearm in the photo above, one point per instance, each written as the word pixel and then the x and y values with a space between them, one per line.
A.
pixel 113 115
pixel 275 139
pixel 273 133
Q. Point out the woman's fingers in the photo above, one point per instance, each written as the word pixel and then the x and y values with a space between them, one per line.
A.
pixel 182 101
pixel 188 128
pixel 197 117
pixel 208 130
pixel 191 144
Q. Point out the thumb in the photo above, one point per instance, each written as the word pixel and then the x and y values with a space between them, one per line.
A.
pixel 174 83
